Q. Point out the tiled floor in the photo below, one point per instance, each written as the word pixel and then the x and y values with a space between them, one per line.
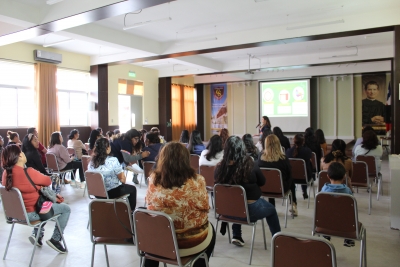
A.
pixel 383 244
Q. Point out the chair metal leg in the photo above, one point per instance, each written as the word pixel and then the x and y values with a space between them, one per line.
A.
pixel 165 265
pixel 84 190
pixel 105 251
pixel 379 186
pixel 35 244
pixel 286 212
pixel 216 231
pixel 263 228
pixel 62 235
pixel 229 234
pixel 252 243
pixel 205 258
pixel 309 196
pixel 370 201
pixel 8 242
pixel 93 249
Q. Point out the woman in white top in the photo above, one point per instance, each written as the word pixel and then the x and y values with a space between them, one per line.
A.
pixel 370 147
pixel 76 144
pixel 214 153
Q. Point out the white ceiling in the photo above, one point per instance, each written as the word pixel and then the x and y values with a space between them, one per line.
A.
pixel 230 22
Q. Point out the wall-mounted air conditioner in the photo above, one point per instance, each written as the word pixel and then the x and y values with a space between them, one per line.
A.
pixel 46 56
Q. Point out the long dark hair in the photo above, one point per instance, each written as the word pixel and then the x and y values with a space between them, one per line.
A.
pixel 224 133
pixel 73 133
pixel 249 144
pixel 265 133
pixel 93 137
pixel 338 151
pixel 27 146
pixel 100 152
pixel 132 133
pixel 278 132
pixel 184 136
pixel 268 121
pixel 298 142
pixel 214 147
pixel 320 136
pixel 195 139
pixel 55 139
pixel 9 158
pixel 370 140
pixel 173 166
pixel 240 170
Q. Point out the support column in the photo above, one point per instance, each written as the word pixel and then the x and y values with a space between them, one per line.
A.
pixel 99 95
pixel 200 109
pixel 164 106
pixel 395 144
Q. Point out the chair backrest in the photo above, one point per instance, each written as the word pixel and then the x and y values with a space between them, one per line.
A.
pixel 13 204
pixel 289 249
pixel 299 172
pixel 150 228
pixel 208 173
pixel 194 161
pixel 71 151
pixel 370 160
pixel 147 167
pixel 330 211
pixel 230 200
pixel 85 162
pixel 360 173
pixel 314 161
pixel 95 184
pixel 322 179
pixel 274 183
pixel 51 160
pixel 104 222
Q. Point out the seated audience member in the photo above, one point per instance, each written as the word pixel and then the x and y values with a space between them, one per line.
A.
pixel 153 146
pixel 181 193
pixel 195 144
pixel 94 135
pixel 13 138
pixel 156 130
pixel 117 134
pixel 100 131
pixel 30 145
pixel 282 139
pixel 42 150
pixel 273 157
pixel 299 151
pixel 113 174
pixel 214 152
pixel 251 149
pixel 338 154
pixel 311 142
pixel 224 133
pixel 336 174
pixel 65 162
pixel 360 139
pixel 260 144
pixel 184 137
pixel 237 168
pixel 1 150
pixel 370 147
pixel 13 160
pixel 110 135
pixel 143 133
pixel 76 144
pixel 320 138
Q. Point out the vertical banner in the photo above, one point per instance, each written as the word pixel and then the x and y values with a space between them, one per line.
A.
pixel 219 111
pixel 373 103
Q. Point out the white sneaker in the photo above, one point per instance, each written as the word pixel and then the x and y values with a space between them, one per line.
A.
pixel 83 184
pixel 294 210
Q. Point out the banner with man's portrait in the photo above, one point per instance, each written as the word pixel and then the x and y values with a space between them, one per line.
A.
pixel 219 111
pixel 374 101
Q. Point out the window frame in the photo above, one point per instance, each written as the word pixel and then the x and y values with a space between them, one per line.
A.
pixel 69 107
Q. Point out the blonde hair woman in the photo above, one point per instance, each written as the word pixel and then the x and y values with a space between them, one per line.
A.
pixel 273 157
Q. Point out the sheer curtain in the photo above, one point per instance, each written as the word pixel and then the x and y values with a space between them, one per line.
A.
pixel 46 101
pixel 183 109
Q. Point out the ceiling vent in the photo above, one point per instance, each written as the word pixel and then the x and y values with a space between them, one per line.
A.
pixel 46 56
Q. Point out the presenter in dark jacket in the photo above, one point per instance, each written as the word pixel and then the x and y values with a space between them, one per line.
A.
pixel 30 145
pixel 265 124
pixel 153 146
pixel 300 152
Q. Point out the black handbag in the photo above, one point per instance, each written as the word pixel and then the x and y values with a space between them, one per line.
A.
pixel 43 205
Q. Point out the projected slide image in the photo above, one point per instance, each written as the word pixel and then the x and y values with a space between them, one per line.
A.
pixel 285 99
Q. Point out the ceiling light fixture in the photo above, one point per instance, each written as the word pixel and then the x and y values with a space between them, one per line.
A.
pixel 315 24
pixel 57 43
pixel 201 40
pixel 338 56
pixel 140 24
pixel 113 54
pixel 52 2
pixel 156 64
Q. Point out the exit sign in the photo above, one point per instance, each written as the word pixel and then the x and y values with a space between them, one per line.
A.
pixel 132 74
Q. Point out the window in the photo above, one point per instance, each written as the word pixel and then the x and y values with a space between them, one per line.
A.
pixel 73 89
pixel 17 98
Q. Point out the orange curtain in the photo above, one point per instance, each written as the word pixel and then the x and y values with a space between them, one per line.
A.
pixel 183 109
pixel 46 101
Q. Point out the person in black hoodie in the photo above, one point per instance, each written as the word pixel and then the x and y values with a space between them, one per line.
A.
pixel 153 146
pixel 310 141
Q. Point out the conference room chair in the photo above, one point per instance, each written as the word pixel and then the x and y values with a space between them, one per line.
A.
pixel 273 187
pixel 231 201
pixel 314 165
pixel 110 224
pixel 322 179
pixel 135 169
pixel 71 151
pixel 290 249
pixel 194 162
pixel 153 226
pixel 52 166
pixel 361 179
pixel 14 207
pixel 299 175
pixel 336 214
pixel 147 168
pixel 372 171
pixel 85 163
pixel 208 173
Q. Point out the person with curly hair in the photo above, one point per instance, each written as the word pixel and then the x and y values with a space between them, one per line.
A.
pixel 113 174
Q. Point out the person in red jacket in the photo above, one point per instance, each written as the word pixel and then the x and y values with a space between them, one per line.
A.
pixel 13 161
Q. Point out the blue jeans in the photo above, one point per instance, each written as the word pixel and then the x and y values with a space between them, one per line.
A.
pixel 62 209
pixel 259 210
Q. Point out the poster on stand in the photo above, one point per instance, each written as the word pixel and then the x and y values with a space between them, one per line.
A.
pixel 219 111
